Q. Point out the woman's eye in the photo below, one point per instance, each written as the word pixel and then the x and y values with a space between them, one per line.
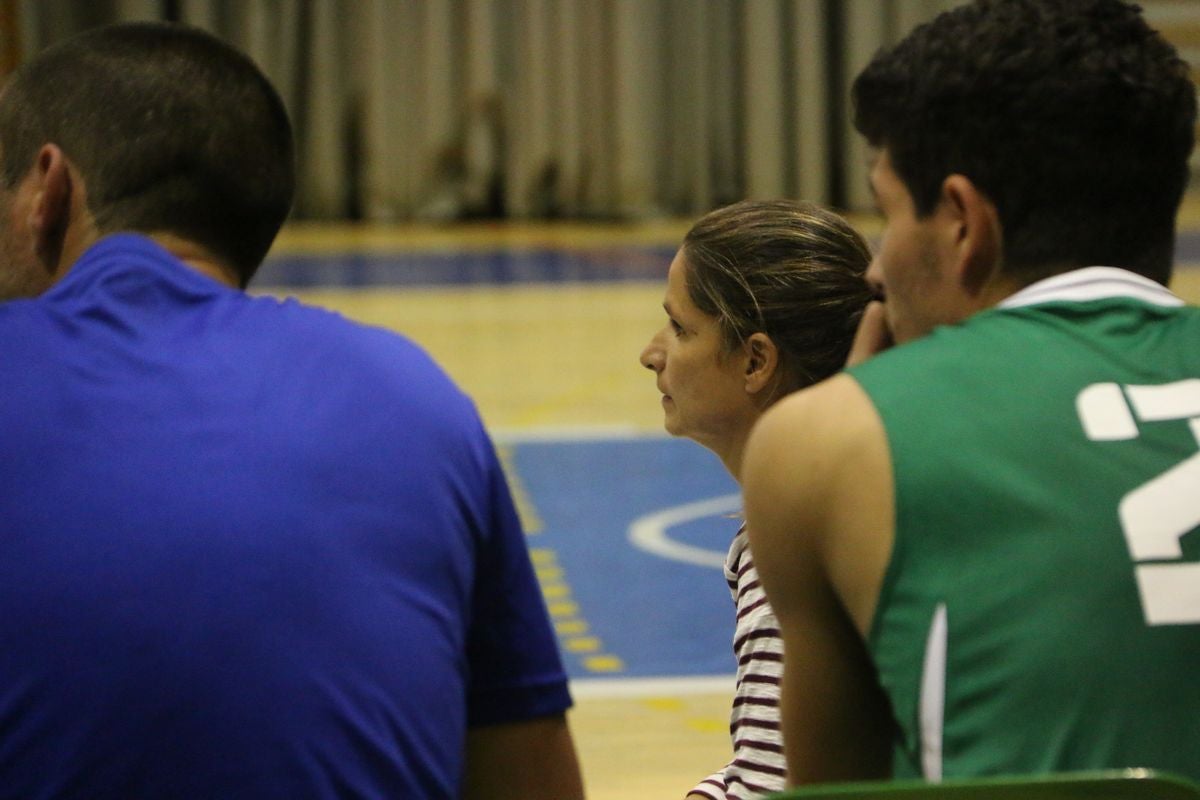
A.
pixel 675 326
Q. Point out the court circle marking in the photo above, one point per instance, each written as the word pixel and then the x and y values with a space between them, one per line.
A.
pixel 649 532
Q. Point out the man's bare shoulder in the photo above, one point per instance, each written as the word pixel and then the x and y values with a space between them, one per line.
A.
pixel 833 418
pixel 818 484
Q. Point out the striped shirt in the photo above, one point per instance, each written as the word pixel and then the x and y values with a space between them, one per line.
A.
pixel 757 768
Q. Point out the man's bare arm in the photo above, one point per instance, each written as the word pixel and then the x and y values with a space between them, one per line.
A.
pixel 814 501
pixel 531 760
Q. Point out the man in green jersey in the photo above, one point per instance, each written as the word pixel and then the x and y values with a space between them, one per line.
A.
pixel 980 545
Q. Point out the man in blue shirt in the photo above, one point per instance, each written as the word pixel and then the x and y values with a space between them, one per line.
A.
pixel 247 548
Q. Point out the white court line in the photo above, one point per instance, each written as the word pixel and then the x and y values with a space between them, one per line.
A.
pixel 604 688
pixel 649 532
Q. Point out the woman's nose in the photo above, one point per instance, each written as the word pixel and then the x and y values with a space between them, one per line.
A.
pixel 651 357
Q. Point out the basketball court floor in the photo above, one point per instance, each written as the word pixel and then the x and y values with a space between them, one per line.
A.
pixel 627 528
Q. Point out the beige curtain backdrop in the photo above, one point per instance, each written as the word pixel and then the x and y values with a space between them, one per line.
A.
pixel 442 109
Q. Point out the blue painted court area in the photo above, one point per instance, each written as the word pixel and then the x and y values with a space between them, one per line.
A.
pixel 623 610
pixel 505 266
pixel 467 268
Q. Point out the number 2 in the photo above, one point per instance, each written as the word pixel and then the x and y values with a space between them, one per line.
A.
pixel 1157 514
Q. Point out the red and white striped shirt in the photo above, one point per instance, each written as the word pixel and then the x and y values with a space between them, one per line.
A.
pixel 757 768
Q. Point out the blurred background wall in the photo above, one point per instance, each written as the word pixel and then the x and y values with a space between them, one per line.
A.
pixel 582 109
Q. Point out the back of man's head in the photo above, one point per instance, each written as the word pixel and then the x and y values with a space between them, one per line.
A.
pixel 1072 116
pixel 172 130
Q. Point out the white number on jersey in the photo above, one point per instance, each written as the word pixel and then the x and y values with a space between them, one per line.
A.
pixel 1157 514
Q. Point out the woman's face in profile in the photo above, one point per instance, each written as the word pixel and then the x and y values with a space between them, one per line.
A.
pixel 703 387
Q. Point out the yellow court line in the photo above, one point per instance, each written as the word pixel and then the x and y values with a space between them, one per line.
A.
pixel 531 522
pixel 572 629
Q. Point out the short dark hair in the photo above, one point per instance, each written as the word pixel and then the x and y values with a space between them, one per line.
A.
pixel 1073 116
pixel 791 270
pixel 172 129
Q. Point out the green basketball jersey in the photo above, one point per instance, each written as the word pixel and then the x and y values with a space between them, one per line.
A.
pixel 1041 609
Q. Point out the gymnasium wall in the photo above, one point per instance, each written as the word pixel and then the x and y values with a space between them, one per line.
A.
pixel 536 109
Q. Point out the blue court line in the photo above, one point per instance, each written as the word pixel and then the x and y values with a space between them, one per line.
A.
pixel 503 266
pixel 497 267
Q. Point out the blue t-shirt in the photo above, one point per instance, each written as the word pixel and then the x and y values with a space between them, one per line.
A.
pixel 248 549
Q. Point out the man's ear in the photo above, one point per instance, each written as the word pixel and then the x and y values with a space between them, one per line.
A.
pixel 57 200
pixel 975 234
pixel 762 363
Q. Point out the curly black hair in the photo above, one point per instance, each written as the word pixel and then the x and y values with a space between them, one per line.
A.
pixel 1073 116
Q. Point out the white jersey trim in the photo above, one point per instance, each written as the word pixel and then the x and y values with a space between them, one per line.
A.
pixel 933 695
pixel 1092 283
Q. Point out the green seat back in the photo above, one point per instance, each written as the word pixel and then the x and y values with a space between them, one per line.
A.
pixel 1133 784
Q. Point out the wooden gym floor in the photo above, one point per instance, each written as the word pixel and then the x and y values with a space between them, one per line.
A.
pixel 542 325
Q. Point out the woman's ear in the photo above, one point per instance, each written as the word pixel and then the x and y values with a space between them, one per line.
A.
pixel 762 363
